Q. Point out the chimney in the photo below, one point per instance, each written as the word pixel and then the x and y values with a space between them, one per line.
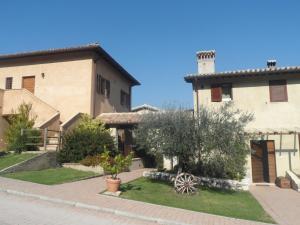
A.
pixel 206 61
pixel 271 63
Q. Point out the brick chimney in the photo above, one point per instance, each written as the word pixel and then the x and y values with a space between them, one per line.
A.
pixel 206 61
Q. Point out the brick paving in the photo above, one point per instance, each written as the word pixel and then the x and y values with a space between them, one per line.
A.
pixel 282 204
pixel 87 192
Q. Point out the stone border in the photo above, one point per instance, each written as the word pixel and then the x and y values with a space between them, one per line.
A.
pixel 78 166
pixel 94 207
pixel 202 181
pixel 137 163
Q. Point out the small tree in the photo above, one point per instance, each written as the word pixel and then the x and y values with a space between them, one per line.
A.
pixel 88 138
pixel 168 133
pixel 221 141
pixel 20 119
pixel 211 142
pixel 115 165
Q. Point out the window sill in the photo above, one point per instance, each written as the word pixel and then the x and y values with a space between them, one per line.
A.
pixel 279 102
pixel 226 100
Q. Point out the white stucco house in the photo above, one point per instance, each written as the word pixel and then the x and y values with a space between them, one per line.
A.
pixel 272 94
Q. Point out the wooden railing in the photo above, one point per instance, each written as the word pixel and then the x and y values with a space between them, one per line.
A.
pixel 44 139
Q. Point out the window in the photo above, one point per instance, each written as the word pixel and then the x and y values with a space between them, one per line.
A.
pixel 226 92
pixel 128 101
pixel 98 83
pixel 102 86
pixel 125 99
pixel 221 92
pixel 278 91
pixel 107 88
pixel 8 83
pixel 122 98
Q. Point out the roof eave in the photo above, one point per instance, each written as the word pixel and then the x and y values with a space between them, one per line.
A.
pixel 101 51
pixel 93 47
pixel 191 78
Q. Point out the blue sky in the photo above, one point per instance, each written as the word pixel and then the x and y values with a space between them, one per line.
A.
pixel 156 40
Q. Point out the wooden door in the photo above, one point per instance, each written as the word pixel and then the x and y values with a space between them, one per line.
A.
pixel 271 161
pixel 28 83
pixel 263 161
pixel 257 158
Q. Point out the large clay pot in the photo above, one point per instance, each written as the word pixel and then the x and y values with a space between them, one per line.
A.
pixel 112 185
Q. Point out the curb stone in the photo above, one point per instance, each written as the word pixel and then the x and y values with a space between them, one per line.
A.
pixel 93 207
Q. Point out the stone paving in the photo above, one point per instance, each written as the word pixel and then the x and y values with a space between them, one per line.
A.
pixel 282 204
pixel 87 192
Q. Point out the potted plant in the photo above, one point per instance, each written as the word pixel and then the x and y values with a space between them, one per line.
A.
pixel 114 166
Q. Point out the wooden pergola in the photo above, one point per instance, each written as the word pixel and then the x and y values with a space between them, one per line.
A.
pixel 123 123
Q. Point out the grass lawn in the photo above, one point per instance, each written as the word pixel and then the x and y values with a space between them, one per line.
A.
pixel 11 159
pixel 235 204
pixel 51 176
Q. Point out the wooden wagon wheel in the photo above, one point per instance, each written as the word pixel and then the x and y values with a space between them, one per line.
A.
pixel 185 183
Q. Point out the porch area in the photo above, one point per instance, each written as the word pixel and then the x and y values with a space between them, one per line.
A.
pixel 273 153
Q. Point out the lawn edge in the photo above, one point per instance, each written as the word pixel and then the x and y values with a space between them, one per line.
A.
pixel 171 207
pixel 70 181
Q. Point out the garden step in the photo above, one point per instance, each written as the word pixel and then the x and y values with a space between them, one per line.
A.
pixel 52 142
pixel 48 148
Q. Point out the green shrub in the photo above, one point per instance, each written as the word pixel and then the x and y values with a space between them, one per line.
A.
pixel 21 119
pixel 91 160
pixel 88 138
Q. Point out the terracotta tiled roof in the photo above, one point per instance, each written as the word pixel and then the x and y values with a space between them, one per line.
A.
pixel 89 47
pixel 247 72
pixel 49 51
pixel 144 106
pixel 120 118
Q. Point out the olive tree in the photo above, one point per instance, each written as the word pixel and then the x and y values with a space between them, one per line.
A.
pixel 211 142
pixel 168 133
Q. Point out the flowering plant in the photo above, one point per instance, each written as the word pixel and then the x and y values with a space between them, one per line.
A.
pixel 115 165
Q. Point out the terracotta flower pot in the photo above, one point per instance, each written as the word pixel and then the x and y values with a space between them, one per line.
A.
pixel 112 185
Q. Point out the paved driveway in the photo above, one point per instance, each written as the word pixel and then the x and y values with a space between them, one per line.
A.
pixel 282 204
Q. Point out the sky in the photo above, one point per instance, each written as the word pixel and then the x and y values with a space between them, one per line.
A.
pixel 157 40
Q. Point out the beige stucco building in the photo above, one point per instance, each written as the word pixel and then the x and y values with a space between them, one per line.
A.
pixel 272 94
pixel 62 83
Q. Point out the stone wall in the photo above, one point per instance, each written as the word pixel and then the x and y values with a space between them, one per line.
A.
pixel 43 161
pixel 202 181
pixel 137 163
pixel 78 166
